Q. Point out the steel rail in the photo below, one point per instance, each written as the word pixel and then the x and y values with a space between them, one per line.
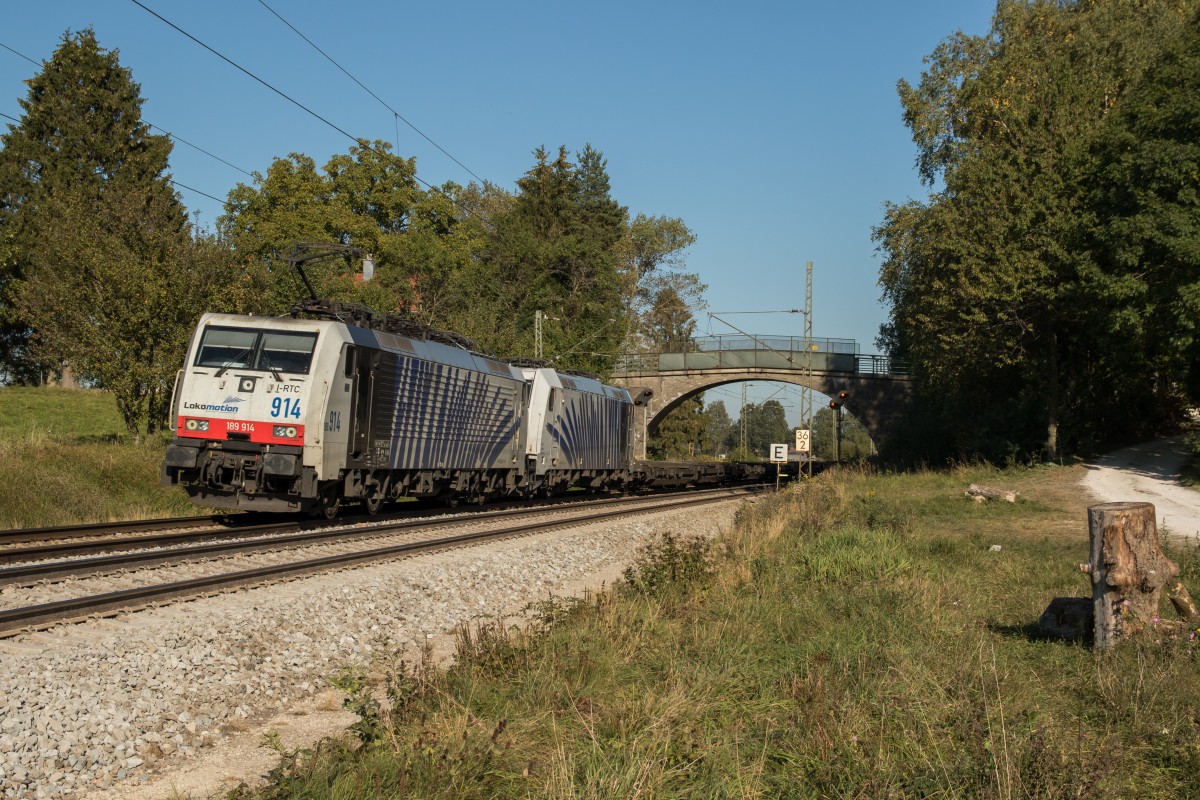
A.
pixel 48 570
pixel 20 620
pixel 87 529
pixel 45 553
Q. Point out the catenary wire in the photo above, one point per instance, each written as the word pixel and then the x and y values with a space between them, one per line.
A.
pixel 169 180
pixel 173 136
pixel 280 92
pixel 361 142
pixel 396 114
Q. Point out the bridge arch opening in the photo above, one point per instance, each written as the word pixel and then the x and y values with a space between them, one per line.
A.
pixel 778 424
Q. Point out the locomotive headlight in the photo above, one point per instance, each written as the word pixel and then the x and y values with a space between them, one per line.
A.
pixel 191 425
pixel 284 431
pixel 203 424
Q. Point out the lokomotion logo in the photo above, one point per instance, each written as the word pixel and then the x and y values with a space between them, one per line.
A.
pixel 228 405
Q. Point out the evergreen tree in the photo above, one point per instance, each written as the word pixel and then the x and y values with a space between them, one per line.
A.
pixel 556 252
pixel 102 267
pixel 81 137
pixel 682 434
pixel 717 428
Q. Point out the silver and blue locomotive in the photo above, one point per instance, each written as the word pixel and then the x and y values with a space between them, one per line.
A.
pixel 300 414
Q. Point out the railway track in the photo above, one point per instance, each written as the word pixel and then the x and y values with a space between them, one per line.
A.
pixel 354 546
pixel 108 529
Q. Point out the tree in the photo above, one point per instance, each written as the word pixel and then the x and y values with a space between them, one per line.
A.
pixel 368 198
pixel 717 428
pixel 115 290
pixel 682 433
pixel 648 244
pixel 765 424
pixel 993 299
pixel 80 137
pixel 856 442
pixel 1144 185
pixel 556 252
pixel 669 324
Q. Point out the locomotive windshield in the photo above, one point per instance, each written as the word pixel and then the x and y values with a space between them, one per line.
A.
pixel 253 348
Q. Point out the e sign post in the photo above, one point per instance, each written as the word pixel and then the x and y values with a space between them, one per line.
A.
pixel 778 456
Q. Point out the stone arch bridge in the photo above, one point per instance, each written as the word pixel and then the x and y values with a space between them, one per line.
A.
pixel 878 389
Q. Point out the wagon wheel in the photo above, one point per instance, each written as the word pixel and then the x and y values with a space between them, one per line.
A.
pixel 374 503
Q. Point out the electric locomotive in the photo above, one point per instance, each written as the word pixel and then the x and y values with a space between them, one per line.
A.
pixel 295 414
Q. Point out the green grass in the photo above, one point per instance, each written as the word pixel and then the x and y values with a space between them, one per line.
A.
pixel 65 458
pixel 858 639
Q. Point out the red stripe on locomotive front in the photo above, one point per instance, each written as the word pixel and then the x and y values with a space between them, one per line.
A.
pixel 219 430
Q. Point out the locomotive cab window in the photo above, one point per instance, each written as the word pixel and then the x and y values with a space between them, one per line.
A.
pixel 227 347
pixel 249 348
pixel 286 351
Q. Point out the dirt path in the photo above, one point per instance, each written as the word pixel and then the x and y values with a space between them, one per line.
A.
pixel 1149 473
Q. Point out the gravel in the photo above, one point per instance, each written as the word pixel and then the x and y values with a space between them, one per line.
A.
pixel 89 707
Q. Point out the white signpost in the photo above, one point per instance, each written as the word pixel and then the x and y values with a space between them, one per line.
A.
pixel 778 456
pixel 803 440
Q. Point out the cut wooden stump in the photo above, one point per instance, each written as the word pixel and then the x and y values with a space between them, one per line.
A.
pixel 1128 570
pixel 988 493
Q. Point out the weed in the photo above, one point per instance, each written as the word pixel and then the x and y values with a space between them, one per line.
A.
pixel 361 702
pixel 669 560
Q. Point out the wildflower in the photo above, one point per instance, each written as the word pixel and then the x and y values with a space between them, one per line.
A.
pixel 1126 602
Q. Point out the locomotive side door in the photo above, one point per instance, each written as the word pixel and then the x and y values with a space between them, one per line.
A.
pixel 359 363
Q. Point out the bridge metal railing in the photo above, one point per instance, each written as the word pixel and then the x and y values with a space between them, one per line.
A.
pixel 783 344
pixel 763 352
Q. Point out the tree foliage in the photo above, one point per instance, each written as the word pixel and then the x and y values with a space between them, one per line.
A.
pixel 856 441
pixel 100 270
pixel 81 136
pixel 102 273
pixel 717 428
pixel 1000 297
pixel 682 434
pixel 556 251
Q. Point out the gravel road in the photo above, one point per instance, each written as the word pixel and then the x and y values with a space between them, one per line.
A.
pixel 1149 473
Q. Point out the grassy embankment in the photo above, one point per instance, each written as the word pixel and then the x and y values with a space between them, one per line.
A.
pixel 65 458
pixel 858 639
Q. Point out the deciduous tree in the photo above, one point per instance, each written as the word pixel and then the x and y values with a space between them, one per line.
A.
pixel 993 296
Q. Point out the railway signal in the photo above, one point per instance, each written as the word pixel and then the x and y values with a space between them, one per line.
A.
pixel 836 402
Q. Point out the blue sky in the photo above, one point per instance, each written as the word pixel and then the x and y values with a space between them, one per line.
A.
pixel 771 128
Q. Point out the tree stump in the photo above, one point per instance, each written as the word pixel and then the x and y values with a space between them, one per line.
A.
pixel 1128 569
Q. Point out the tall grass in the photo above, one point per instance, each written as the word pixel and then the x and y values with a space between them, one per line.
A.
pixel 64 458
pixel 857 638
